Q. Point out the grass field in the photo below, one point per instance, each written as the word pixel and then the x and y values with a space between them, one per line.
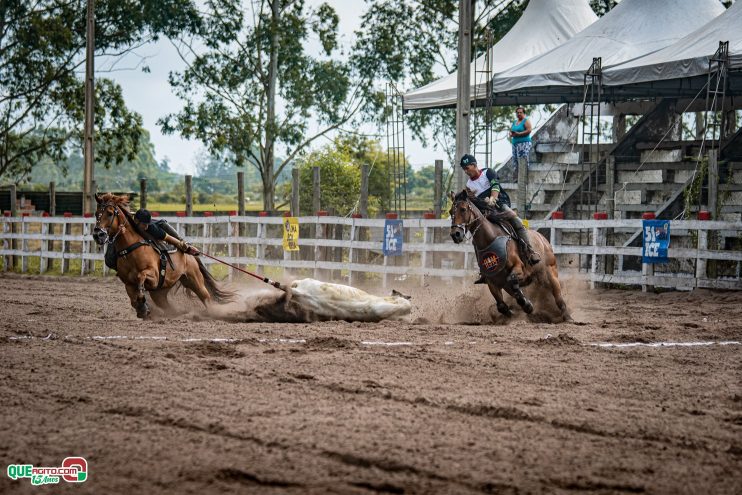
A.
pixel 172 207
pixel 250 206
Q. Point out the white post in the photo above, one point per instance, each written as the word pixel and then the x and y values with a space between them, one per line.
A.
pixel 424 261
pixel 351 251
pixel 44 260
pixel 66 231
pixel 6 245
pixel 24 245
pixel 317 249
pixel 83 260
pixel 259 248
pixel 231 232
pixel 206 230
pixel 701 260
pixel 597 234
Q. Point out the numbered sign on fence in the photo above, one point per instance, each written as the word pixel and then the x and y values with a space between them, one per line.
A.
pixel 393 230
pixel 656 241
pixel 290 234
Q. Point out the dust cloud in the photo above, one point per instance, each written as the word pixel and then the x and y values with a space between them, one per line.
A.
pixel 309 300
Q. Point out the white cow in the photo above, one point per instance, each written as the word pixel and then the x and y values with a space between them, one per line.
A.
pixel 341 302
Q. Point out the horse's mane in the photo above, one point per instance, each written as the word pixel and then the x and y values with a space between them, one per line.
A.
pixel 122 202
pixel 479 203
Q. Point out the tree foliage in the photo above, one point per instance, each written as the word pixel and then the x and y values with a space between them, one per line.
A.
pixel 42 56
pixel 340 166
pixel 340 181
pixel 404 41
pixel 246 63
pixel 124 177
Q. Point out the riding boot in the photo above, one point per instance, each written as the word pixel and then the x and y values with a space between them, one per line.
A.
pixel 481 280
pixel 520 229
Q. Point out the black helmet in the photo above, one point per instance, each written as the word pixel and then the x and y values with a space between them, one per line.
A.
pixel 467 160
pixel 143 216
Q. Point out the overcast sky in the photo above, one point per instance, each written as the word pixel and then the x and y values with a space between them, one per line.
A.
pixel 150 95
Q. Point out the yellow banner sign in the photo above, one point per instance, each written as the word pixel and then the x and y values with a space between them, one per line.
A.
pixel 290 234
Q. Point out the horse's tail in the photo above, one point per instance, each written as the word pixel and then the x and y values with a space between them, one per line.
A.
pixel 218 294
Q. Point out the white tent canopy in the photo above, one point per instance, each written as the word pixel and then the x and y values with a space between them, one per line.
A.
pixel 687 57
pixel 544 25
pixel 632 29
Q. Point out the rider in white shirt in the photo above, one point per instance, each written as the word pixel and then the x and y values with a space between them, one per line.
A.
pixel 484 185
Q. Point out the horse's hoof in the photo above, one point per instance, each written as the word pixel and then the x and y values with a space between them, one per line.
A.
pixel 505 309
pixel 143 312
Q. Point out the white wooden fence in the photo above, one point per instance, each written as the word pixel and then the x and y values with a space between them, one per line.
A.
pixel 345 249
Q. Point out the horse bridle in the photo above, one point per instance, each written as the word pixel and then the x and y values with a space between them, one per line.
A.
pixel 99 227
pixel 465 226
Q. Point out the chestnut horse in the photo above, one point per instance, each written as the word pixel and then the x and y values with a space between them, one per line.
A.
pixel 499 260
pixel 138 264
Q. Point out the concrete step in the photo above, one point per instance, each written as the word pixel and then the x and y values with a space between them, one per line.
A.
pixel 633 166
pixel 512 187
pixel 551 166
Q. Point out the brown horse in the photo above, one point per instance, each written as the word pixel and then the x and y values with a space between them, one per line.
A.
pixel 499 260
pixel 138 264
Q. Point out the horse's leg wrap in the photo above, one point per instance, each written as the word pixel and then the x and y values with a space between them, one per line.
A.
pixel 142 307
pixel 518 293
pixel 504 308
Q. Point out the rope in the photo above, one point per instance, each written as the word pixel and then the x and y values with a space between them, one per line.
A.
pixel 268 281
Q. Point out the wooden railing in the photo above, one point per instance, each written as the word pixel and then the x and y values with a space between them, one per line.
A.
pixel 350 249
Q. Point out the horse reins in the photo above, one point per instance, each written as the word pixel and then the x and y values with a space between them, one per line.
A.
pixel 109 239
pixel 465 226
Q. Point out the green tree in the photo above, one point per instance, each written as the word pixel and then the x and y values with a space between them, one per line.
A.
pixel 340 181
pixel 364 151
pixel 403 41
pixel 42 50
pixel 250 84
pixel 124 177
pixel 602 7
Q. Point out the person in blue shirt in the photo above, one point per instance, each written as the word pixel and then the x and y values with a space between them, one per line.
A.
pixel 520 137
pixel 483 187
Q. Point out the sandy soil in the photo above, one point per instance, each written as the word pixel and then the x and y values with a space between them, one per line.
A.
pixel 514 407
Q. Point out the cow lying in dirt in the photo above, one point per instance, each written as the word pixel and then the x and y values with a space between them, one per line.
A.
pixel 310 300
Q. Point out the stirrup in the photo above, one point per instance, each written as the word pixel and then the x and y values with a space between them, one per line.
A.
pixel 481 280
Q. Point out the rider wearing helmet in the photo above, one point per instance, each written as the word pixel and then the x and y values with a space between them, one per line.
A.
pixel 484 185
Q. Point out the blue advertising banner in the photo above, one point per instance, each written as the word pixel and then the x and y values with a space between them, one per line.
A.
pixel 656 241
pixel 393 238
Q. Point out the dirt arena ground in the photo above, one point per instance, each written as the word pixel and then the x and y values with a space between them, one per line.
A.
pixel 441 403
